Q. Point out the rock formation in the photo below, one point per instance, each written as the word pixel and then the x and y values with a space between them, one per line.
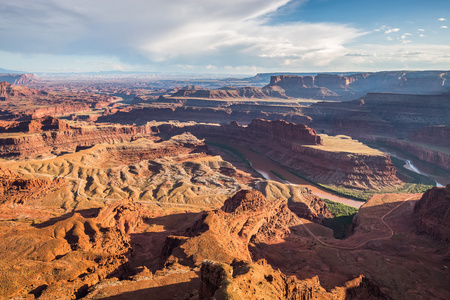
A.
pixel 342 161
pixel 382 114
pixel 223 235
pixel 243 280
pixel 433 135
pixel 19 79
pixel 283 132
pixel 61 259
pixel 36 125
pixel 8 91
pixel 243 114
pixel 432 213
pixel 44 135
pixel 19 190
pixel 23 103
pixel 353 86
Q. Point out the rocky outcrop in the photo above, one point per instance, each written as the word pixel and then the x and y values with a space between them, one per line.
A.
pixel 221 115
pixel 283 132
pixel 438 158
pixel 36 125
pixel 433 135
pixel 432 213
pixel 230 92
pixel 8 91
pixel 15 189
pixel 23 103
pixel 61 259
pixel 125 215
pixel 243 280
pixel 223 235
pixel 19 79
pixel 298 147
pixel 352 86
pixel 49 134
pixel 301 200
pixel 301 87
pixel 381 114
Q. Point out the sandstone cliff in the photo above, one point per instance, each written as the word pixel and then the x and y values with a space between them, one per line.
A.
pixel 434 136
pixel 61 259
pixel 436 157
pixel 8 91
pixel 340 161
pixel 432 213
pixel 381 114
pixel 46 135
pixel 352 86
pixel 15 189
pixel 243 280
pixel 221 115
pixel 223 235
pixel 19 79
pixel 283 132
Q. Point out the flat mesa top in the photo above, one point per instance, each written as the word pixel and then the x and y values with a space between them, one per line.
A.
pixel 344 144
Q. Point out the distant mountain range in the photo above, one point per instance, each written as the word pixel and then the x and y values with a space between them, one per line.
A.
pixel 5 71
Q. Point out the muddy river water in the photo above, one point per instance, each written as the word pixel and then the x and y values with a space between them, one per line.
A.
pixel 264 166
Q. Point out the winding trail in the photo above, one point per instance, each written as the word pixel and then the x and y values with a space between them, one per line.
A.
pixel 367 241
pixel 159 204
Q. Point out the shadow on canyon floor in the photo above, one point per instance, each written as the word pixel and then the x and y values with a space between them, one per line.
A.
pixel 147 245
pixel 183 290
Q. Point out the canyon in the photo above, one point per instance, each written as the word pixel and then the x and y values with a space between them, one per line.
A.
pixel 129 188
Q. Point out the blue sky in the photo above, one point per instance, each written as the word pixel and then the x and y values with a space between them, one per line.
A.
pixel 233 36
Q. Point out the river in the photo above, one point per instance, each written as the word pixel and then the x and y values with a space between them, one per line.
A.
pixel 440 176
pixel 264 166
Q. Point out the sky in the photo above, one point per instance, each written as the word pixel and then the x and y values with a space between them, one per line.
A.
pixel 217 36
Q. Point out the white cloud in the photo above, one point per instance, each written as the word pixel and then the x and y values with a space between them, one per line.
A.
pixel 444 27
pixel 200 35
pixel 392 30
pixel 407 33
pixel 176 32
pixel 421 35
pixel 442 19
pixel 420 29
pixel 398 56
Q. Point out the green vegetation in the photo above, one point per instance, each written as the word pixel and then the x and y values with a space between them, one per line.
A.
pixel 338 209
pixel 416 183
pixel 342 218
pixel 355 194
pixel 232 150
pixel 236 153
pixel 278 175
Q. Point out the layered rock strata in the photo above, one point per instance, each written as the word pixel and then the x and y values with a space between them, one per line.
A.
pixel 243 280
pixel 432 213
pixel 221 115
pixel 223 235
pixel 299 148
pixel 48 134
pixel 15 189
pixel 352 86
pixel 61 259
